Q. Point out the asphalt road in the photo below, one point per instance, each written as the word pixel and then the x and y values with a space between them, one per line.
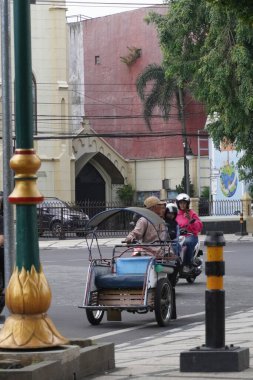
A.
pixel 66 270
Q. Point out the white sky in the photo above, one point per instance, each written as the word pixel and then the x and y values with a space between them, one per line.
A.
pixel 98 8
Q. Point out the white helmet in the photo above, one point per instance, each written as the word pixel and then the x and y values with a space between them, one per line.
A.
pixel 171 207
pixel 182 197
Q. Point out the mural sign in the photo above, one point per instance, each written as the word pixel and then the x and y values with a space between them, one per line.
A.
pixel 225 182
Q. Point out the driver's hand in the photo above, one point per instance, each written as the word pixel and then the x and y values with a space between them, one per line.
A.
pixel 128 240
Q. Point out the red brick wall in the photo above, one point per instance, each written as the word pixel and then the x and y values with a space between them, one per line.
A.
pixel 111 101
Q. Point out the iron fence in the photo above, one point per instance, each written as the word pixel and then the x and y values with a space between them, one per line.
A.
pixel 220 208
pixel 68 220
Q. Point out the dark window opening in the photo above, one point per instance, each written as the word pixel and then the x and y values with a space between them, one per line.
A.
pixel 97 60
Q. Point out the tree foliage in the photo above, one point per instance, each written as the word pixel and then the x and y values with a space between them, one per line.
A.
pixel 154 91
pixel 209 50
pixel 181 187
pixel 244 8
pixel 126 193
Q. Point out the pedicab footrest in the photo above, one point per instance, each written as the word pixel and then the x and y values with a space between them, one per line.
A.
pixel 114 281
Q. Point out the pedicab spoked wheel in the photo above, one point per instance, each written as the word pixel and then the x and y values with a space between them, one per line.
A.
pixel 163 301
pixel 94 316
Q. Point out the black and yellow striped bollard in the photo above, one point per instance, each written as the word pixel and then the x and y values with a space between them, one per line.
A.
pixel 215 294
pixel 215 355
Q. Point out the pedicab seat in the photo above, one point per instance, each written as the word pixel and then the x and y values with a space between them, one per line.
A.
pixel 130 272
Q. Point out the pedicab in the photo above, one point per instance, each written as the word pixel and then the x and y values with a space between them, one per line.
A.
pixel 126 282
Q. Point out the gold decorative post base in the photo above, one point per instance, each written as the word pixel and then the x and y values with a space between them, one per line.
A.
pixel 30 332
pixel 28 297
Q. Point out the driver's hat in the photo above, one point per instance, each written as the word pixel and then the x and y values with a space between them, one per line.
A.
pixel 153 201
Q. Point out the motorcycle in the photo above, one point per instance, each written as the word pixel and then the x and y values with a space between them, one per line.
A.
pixel 197 262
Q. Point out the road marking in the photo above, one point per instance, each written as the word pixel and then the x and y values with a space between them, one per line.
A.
pixel 122 331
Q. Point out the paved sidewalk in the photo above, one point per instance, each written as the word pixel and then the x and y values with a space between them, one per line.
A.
pixel 158 357
pixel 109 242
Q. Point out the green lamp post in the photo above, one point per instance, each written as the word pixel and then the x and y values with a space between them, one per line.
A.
pixel 28 294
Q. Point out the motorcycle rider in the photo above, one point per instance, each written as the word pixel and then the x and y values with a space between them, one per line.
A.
pixel 190 226
pixel 173 227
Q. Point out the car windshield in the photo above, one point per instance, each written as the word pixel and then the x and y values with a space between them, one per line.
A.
pixel 54 203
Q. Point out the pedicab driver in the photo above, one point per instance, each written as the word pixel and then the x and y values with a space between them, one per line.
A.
pixel 144 231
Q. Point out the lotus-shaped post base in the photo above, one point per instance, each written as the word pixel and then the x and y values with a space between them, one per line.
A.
pixel 30 332
pixel 28 297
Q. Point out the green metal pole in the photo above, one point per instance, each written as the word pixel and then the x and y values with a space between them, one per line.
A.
pixel 26 232
pixel 28 295
pixel 23 74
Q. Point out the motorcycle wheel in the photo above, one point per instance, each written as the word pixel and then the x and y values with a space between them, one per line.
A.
pixel 163 302
pixel 190 280
pixel 94 316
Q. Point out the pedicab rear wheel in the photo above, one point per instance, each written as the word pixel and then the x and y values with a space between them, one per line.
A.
pixel 163 302
pixel 94 316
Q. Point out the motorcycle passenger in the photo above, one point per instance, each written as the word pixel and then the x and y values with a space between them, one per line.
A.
pixel 144 231
pixel 173 227
pixel 190 226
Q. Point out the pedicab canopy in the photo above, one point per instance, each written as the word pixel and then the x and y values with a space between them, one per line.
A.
pixel 101 217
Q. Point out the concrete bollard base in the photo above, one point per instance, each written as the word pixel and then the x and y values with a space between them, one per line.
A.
pixel 203 359
pixel 77 360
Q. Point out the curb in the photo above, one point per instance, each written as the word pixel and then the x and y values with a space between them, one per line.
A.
pixel 79 359
pixel 52 244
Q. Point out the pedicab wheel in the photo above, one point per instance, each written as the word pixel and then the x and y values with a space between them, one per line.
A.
pixel 163 302
pixel 2 300
pixel 190 280
pixel 94 316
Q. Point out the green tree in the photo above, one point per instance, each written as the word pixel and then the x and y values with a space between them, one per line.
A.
pixel 126 193
pixel 159 95
pixel 162 93
pixel 210 51
pixel 181 187
pixel 244 8
pixel 205 193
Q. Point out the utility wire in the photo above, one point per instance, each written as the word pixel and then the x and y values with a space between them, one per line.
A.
pixel 160 134
pixel 99 3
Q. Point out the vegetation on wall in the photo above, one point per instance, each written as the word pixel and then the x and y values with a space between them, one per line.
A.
pixel 133 55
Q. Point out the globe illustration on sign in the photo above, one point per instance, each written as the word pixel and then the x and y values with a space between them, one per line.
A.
pixel 228 180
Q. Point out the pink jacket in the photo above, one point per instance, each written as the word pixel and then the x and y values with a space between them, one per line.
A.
pixel 184 222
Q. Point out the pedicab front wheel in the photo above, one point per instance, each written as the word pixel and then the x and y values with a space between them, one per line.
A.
pixel 94 316
pixel 163 302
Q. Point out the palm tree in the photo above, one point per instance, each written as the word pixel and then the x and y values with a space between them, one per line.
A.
pixel 161 93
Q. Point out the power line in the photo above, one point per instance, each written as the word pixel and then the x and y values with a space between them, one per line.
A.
pixel 100 3
pixel 152 135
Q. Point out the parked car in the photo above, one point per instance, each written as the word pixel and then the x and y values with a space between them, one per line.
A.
pixel 58 217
